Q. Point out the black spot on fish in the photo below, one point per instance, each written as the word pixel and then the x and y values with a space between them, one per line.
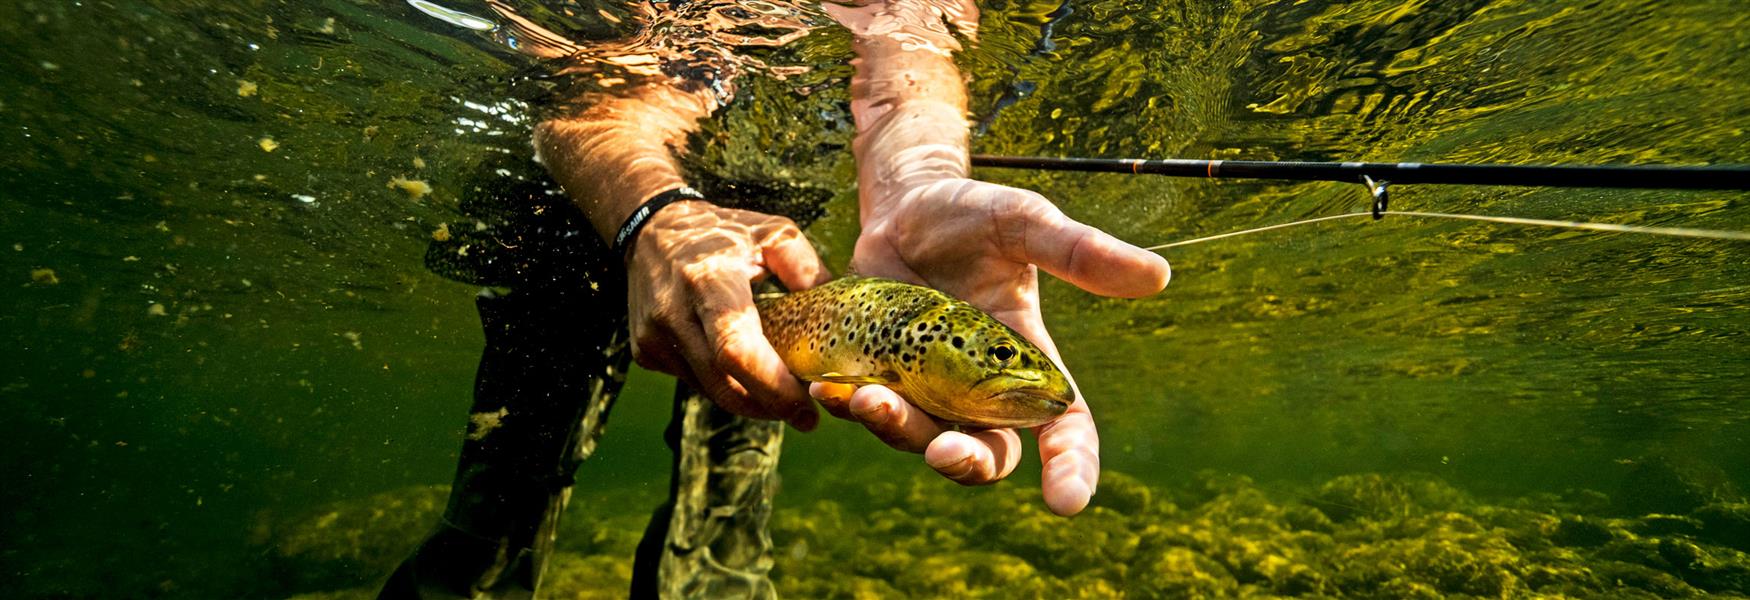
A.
pixel 959 342
pixel 927 338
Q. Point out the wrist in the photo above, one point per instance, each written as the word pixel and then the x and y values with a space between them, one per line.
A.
pixel 625 237
pixel 910 147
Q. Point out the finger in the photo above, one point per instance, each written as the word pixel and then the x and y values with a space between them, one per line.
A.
pixel 1089 258
pixel 659 355
pixel 708 379
pixel 788 255
pixel 1069 447
pixel 835 397
pixel 979 458
pixel 740 349
pixel 892 419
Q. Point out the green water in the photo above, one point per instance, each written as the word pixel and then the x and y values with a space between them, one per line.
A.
pixel 216 345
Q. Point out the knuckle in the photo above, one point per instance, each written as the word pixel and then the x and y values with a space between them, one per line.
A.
pixel 648 353
pixel 726 352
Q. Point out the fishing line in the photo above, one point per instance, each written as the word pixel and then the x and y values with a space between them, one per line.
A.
pixel 1689 232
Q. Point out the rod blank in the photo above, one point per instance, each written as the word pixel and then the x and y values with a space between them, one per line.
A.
pixel 1609 176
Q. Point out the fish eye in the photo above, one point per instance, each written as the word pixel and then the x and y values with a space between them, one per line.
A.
pixel 1002 352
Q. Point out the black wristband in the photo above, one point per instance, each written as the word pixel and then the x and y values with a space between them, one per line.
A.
pixel 628 233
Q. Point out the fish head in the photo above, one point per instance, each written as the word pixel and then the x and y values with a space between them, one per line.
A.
pixel 971 369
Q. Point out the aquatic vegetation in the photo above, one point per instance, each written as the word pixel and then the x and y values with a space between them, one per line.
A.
pixel 1367 535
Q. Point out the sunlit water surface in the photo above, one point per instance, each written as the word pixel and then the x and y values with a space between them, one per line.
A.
pixel 221 317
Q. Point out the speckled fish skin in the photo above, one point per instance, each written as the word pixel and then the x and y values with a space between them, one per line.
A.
pixel 952 360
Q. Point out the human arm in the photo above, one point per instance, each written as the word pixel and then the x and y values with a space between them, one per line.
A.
pixel 925 221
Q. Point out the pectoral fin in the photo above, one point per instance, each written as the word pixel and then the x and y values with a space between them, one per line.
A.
pixel 857 379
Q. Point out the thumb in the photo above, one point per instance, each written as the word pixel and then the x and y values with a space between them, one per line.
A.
pixel 1092 259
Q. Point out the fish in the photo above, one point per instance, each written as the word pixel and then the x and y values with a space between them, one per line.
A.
pixel 947 357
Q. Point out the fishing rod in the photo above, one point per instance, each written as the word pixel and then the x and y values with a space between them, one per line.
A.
pixel 1376 176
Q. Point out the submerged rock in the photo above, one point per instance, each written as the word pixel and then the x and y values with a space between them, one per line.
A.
pixel 1580 531
pixel 1356 536
pixel 1127 495
pixel 1376 496
pixel 1726 523
pixel 350 542
pixel 1177 572
pixel 967 575
pixel 601 576
pixel 1660 484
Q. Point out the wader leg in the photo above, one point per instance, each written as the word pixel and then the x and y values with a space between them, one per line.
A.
pixel 710 540
pixel 553 364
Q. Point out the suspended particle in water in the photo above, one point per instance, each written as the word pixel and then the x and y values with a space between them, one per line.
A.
pixel 156 310
pixel 442 233
pixel 418 163
pixel 267 144
pixel 42 276
pixel 414 188
pixel 246 88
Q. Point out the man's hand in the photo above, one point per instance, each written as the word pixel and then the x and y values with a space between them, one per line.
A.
pixel 980 242
pixel 692 310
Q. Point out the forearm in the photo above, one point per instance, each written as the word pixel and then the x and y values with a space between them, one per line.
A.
pixel 621 149
pixel 909 101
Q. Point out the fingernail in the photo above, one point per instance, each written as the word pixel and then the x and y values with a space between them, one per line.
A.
pixel 955 469
pixel 879 415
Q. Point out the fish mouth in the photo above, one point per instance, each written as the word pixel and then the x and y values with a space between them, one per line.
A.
pixel 1031 406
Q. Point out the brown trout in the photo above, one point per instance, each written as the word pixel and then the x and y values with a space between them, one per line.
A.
pixel 952 360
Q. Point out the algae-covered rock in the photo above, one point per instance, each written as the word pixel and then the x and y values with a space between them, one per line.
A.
pixel 352 542
pixel 967 575
pixel 1357 536
pixel 1127 495
pixel 1662 484
pixel 1092 540
pixel 1726 523
pixel 1580 531
pixel 844 587
pixel 1622 577
pixel 599 576
pixel 363 593
pixel 1666 526
pixel 1376 496
pixel 1442 562
pixel 1178 572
